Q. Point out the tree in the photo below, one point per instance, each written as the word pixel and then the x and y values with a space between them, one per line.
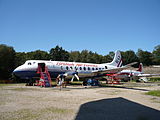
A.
pixel 106 59
pixel 37 55
pixel 84 56
pixel 58 53
pixel 89 57
pixel 129 57
pixel 20 58
pixel 156 55
pixel 74 56
pixel 111 54
pixel 7 60
pixel 145 57
pixel 97 58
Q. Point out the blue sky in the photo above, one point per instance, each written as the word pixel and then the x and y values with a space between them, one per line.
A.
pixel 97 25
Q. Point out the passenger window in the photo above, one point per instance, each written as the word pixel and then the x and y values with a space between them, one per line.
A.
pixel 88 68
pixel 99 68
pixel 61 67
pixel 92 68
pixel 71 68
pixel 84 68
pixel 80 68
pixel 75 68
pixel 67 68
pixel 96 68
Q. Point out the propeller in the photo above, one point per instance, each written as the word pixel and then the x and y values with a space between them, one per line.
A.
pixel 75 75
pixel 61 77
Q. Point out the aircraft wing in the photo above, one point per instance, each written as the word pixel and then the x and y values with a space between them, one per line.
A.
pixel 148 75
pixel 114 70
pixel 130 64
pixel 143 77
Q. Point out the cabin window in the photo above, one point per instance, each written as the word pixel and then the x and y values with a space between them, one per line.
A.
pixel 88 68
pixel 99 68
pixel 102 68
pixel 71 68
pixel 92 68
pixel 84 68
pixel 67 68
pixel 29 63
pixel 80 68
pixel 61 67
pixel 75 68
pixel 106 67
pixel 96 68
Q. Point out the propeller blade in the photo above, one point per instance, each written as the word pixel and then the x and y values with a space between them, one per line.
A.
pixel 76 77
pixel 72 78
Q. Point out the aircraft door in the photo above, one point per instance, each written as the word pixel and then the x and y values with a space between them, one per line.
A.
pixel 42 66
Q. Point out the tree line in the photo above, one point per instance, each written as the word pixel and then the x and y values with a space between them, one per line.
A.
pixel 10 59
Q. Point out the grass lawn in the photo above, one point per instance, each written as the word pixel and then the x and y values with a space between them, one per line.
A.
pixel 154 93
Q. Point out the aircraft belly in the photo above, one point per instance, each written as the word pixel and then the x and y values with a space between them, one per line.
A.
pixel 85 74
pixel 26 74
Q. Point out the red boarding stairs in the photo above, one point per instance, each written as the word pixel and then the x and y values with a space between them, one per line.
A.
pixel 113 80
pixel 45 79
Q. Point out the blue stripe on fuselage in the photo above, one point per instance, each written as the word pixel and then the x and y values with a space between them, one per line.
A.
pixel 32 74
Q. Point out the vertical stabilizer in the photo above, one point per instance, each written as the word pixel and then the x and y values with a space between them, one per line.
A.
pixel 140 69
pixel 117 61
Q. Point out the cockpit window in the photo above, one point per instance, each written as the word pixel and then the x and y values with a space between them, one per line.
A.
pixel 29 63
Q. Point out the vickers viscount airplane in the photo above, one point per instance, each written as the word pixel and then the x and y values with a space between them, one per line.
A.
pixel 70 69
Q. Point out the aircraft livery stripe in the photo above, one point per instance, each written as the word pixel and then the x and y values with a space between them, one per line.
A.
pixel 119 64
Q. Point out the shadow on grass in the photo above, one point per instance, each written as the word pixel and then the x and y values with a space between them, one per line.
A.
pixel 116 109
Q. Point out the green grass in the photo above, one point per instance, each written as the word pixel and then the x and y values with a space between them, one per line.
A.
pixel 154 93
pixel 1 85
pixel 12 84
pixel 56 110
pixel 76 83
pixel 154 79
pixel 24 89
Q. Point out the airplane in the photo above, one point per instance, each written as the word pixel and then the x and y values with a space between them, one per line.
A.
pixel 63 69
pixel 132 74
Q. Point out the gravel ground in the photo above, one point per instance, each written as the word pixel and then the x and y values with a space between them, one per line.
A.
pixel 19 102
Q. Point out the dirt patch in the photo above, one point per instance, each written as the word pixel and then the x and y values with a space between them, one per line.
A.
pixel 31 103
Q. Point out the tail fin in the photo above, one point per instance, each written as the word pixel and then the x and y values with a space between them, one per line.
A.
pixel 140 69
pixel 117 61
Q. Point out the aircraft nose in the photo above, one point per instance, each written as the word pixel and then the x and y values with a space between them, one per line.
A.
pixel 17 70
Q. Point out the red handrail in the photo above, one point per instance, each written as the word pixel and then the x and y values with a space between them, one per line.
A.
pixel 39 71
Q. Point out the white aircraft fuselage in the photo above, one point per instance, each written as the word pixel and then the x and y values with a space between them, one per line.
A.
pixel 29 68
